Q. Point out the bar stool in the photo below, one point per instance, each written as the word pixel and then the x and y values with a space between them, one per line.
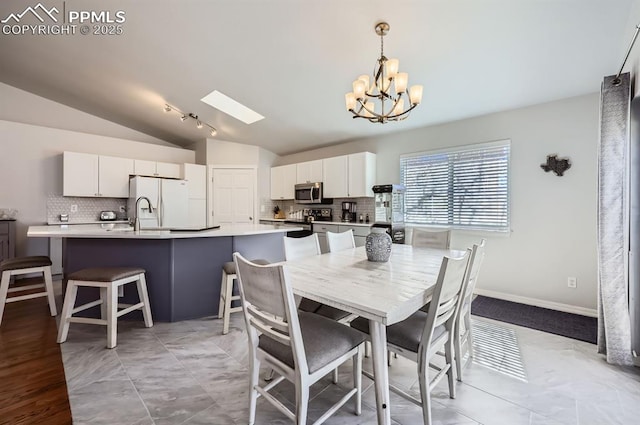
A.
pixel 226 293
pixel 25 265
pixel 108 279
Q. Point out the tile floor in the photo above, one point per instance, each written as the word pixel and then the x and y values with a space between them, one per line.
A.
pixel 188 373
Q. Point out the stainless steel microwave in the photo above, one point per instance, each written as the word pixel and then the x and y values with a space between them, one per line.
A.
pixel 309 193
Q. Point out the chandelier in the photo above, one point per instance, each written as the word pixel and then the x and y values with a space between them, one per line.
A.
pixel 363 101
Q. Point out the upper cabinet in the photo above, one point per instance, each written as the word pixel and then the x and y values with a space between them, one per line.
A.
pixel 349 176
pixel 156 169
pixel 196 177
pixel 113 176
pixel 95 175
pixel 283 180
pixel 335 177
pixel 309 172
pixel 362 174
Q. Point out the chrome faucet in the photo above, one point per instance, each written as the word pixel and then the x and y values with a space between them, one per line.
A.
pixel 136 221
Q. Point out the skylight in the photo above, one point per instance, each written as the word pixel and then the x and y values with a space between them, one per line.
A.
pixel 231 107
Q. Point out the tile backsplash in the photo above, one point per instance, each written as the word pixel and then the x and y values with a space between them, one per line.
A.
pixel 364 206
pixel 87 209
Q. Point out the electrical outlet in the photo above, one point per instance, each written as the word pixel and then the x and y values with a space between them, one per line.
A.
pixel 74 208
pixel 123 208
pixel 572 282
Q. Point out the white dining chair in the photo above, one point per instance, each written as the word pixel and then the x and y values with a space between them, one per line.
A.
pixel 295 248
pixel 287 341
pixel 440 239
pixel 463 342
pixel 422 335
pixel 340 241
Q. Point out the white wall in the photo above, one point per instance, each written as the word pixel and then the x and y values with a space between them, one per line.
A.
pixel 27 108
pixel 553 218
pixel 31 168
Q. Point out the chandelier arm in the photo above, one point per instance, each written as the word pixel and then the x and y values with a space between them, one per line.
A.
pixel 403 113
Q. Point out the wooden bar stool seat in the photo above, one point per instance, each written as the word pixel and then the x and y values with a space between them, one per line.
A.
pixel 108 279
pixel 226 293
pixel 22 266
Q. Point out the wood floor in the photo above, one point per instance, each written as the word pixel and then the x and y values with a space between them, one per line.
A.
pixel 32 383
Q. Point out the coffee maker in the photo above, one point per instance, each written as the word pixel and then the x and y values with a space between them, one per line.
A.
pixel 349 211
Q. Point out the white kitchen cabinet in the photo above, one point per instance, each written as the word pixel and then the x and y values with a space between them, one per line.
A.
pixel 321 230
pixel 113 176
pixel 359 233
pixel 79 174
pixel 362 174
pixel 283 180
pixel 335 177
pixel 309 172
pixel 167 169
pixel 94 175
pixel 196 176
pixel 349 176
pixel 143 167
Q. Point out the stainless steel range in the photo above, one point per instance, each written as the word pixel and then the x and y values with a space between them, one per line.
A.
pixel 310 215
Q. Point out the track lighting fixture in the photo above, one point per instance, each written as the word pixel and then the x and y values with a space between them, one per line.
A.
pixel 185 116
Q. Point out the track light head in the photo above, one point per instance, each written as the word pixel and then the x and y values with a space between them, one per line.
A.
pixel 185 116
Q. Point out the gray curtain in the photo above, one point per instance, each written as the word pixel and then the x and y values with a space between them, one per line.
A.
pixel 614 334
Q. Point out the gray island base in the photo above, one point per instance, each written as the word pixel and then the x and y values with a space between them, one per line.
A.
pixel 183 272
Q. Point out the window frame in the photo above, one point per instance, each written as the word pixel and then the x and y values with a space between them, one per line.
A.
pixel 452 151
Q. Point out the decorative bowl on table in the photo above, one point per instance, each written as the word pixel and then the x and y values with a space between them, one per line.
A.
pixel 378 245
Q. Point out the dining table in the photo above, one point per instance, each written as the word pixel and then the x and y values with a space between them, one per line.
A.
pixel 383 292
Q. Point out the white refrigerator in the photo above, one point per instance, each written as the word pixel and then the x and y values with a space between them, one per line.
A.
pixel 169 199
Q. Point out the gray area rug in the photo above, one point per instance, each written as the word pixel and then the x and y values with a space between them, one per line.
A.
pixel 574 326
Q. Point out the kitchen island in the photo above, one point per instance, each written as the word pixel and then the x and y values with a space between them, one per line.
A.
pixel 183 268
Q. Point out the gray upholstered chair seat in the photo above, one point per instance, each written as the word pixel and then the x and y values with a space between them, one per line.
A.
pixel 324 341
pixel 24 263
pixel 405 334
pixel 230 267
pixel 105 274
pixel 327 311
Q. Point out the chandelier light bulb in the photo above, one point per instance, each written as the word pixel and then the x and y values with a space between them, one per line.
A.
pixel 167 108
pixel 365 79
pixel 401 79
pixel 183 118
pixel 391 67
pixel 213 132
pixel 415 94
pixel 198 124
pixel 358 89
pixel 350 100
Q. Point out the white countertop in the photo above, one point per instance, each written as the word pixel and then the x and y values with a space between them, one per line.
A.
pixel 341 223
pixel 124 231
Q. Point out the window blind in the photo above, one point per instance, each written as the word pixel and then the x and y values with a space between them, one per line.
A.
pixel 465 187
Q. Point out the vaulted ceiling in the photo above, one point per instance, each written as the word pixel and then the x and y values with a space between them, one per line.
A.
pixel 292 61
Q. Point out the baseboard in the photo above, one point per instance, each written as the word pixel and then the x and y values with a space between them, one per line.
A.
pixel 538 303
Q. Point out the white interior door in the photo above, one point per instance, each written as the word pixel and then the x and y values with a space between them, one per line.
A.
pixel 233 193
